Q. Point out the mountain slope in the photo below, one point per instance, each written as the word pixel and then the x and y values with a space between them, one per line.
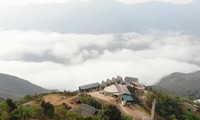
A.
pixel 14 87
pixel 182 84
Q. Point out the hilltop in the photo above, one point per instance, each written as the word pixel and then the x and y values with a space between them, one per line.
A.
pixel 120 100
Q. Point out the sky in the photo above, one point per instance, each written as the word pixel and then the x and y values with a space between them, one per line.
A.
pixel 26 2
pixel 71 46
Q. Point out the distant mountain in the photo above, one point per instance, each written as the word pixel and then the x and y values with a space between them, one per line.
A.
pixel 14 87
pixel 102 16
pixel 182 84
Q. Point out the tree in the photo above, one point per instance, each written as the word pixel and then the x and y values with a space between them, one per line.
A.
pixel 48 109
pixel 111 112
pixel 10 105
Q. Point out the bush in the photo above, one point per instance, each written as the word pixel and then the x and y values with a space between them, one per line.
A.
pixel 10 105
pixel 111 112
pixel 48 109
pixel 90 101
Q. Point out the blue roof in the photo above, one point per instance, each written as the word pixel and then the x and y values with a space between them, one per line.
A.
pixel 127 97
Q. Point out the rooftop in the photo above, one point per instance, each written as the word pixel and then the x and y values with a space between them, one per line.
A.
pixel 86 110
pixel 119 78
pixel 103 83
pixel 111 89
pixel 127 97
pixel 122 89
pixel 131 79
pixel 108 81
pixel 89 86
pixel 114 80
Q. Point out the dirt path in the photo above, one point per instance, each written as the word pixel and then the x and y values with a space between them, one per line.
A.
pixel 136 112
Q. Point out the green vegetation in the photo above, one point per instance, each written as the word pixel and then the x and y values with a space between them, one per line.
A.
pixel 111 112
pixel 169 107
pixel 47 108
pixel 90 101
pixel 41 110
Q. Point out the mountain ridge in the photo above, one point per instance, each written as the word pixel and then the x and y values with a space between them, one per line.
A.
pixel 15 87
pixel 182 84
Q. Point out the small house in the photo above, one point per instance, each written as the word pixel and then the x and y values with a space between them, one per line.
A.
pixel 103 84
pixel 114 81
pixel 108 82
pixel 111 91
pixel 132 80
pixel 89 88
pixel 119 79
pixel 126 99
pixel 86 110
pixel 124 94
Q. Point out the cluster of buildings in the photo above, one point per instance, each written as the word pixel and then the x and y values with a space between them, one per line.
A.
pixel 114 87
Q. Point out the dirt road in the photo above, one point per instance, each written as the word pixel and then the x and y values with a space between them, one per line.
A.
pixel 136 112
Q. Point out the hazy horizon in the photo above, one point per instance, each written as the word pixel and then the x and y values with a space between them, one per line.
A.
pixel 61 44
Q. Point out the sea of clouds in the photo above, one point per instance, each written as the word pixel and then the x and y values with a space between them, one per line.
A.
pixel 65 61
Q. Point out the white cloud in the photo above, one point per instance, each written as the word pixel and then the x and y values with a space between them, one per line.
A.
pixel 5 3
pixel 26 2
pixel 167 1
pixel 15 44
pixel 58 76
pixel 82 58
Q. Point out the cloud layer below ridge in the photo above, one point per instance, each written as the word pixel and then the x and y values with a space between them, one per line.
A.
pixel 59 59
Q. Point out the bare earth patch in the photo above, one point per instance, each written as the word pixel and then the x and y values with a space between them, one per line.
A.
pixel 136 112
pixel 57 99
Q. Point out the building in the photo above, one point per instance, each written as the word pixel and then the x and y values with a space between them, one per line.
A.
pixel 108 82
pixel 119 80
pixel 111 90
pixel 120 91
pixel 89 88
pixel 86 110
pixel 126 99
pixel 124 94
pixel 114 81
pixel 131 80
pixel 103 84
